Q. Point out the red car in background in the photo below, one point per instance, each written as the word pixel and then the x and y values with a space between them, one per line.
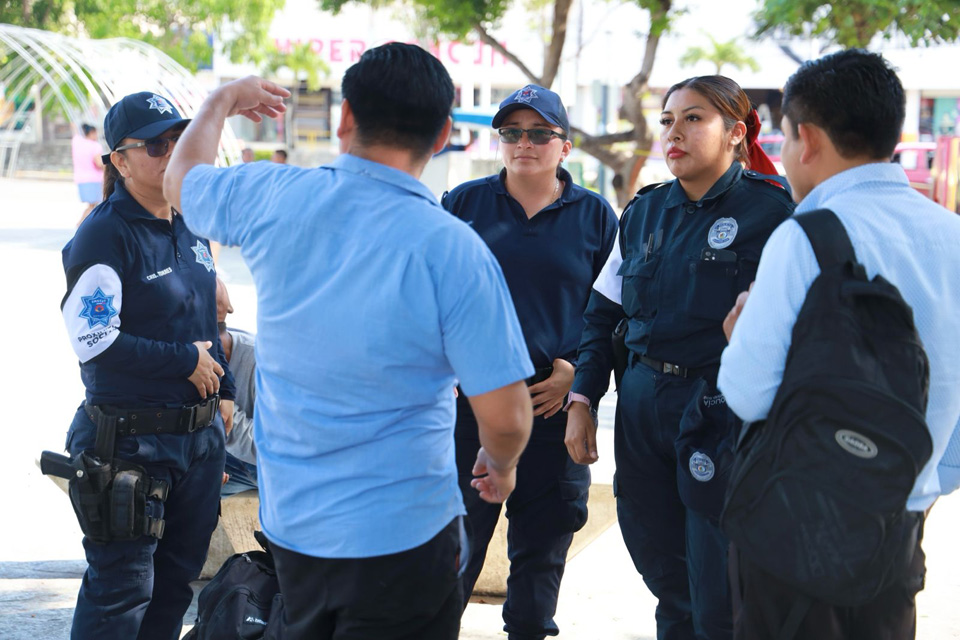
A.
pixel 916 158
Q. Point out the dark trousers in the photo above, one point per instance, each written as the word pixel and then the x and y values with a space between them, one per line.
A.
pixel 763 603
pixel 547 506
pixel 411 595
pixel 681 554
pixel 141 588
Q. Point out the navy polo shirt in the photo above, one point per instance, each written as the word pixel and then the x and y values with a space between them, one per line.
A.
pixel 140 291
pixel 678 270
pixel 549 261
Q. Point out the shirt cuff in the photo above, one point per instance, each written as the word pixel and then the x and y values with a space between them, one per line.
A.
pixel 576 397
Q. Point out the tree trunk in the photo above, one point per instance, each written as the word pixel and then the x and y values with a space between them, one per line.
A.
pixel 627 167
pixel 626 164
pixel 551 62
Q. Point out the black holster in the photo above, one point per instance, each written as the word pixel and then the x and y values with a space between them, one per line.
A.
pixel 109 495
pixel 620 352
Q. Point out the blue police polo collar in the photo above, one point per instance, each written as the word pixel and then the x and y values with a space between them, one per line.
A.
pixel 678 196
pixel 128 207
pixel 383 173
pixel 570 193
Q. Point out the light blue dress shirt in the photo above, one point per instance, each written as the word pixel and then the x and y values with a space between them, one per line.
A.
pixel 372 300
pixel 896 232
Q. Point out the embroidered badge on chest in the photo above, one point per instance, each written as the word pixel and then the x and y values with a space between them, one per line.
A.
pixel 203 255
pixel 722 233
pixel 98 308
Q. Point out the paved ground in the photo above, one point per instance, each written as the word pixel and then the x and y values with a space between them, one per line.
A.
pixel 41 560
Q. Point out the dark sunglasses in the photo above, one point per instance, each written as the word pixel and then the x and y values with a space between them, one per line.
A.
pixel 535 136
pixel 156 147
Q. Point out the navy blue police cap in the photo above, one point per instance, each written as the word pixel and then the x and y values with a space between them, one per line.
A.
pixel 543 101
pixel 141 116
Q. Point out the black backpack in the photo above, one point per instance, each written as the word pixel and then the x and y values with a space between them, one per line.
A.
pixel 241 602
pixel 819 489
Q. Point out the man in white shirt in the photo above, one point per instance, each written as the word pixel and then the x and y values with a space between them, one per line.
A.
pixel 842 117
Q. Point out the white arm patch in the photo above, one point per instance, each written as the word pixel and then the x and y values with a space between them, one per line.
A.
pixel 92 311
pixel 608 282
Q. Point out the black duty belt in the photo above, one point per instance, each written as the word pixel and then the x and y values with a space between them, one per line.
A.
pixel 675 369
pixel 133 422
pixel 539 376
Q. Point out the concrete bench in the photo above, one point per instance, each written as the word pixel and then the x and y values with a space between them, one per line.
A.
pixel 239 518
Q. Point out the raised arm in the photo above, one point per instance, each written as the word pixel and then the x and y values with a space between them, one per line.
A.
pixel 251 97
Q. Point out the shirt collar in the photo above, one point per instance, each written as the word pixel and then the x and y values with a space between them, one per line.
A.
pixel 855 178
pixel 678 196
pixel 383 173
pixel 128 207
pixel 571 193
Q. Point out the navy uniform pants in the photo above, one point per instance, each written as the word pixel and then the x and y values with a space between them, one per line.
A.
pixel 681 554
pixel 141 588
pixel 548 505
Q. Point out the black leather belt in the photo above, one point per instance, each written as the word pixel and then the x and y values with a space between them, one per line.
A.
pixel 132 422
pixel 539 376
pixel 675 369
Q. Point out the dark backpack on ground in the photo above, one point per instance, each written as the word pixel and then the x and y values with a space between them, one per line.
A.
pixel 241 602
pixel 818 493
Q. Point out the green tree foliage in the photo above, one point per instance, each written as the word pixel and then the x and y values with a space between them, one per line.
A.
pixel 183 29
pixel 854 23
pixel 625 151
pixel 302 61
pixel 720 54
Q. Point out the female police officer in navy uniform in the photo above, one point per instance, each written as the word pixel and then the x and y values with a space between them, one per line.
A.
pixel 140 310
pixel 551 238
pixel 685 250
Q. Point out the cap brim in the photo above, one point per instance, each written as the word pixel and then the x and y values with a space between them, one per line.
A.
pixel 510 108
pixel 149 131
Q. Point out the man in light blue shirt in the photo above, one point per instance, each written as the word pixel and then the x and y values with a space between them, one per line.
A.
pixel 372 304
pixel 842 118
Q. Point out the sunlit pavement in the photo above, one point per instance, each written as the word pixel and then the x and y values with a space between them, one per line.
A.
pixel 41 559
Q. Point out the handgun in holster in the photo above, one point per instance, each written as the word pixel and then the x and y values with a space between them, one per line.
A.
pixel 109 495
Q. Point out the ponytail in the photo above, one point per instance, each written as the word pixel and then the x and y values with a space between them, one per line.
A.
pixel 110 178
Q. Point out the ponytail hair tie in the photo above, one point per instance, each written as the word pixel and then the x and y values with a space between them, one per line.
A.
pixel 757 158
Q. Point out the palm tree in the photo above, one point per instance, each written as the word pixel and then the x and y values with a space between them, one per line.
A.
pixel 720 54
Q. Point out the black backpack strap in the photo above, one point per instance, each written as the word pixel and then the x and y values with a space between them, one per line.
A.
pixel 801 606
pixel 828 238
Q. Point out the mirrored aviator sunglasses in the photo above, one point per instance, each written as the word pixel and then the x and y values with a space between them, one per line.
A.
pixel 535 136
pixel 156 147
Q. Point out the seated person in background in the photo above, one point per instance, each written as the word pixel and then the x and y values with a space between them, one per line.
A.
pixel 241 462
pixel 279 156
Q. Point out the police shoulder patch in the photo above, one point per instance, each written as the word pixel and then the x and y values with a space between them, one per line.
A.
pixel 98 308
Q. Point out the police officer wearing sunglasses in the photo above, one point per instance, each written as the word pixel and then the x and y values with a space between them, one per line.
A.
pixel 140 311
pixel 551 238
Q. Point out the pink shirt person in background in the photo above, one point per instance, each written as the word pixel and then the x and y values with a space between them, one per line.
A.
pixel 88 168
